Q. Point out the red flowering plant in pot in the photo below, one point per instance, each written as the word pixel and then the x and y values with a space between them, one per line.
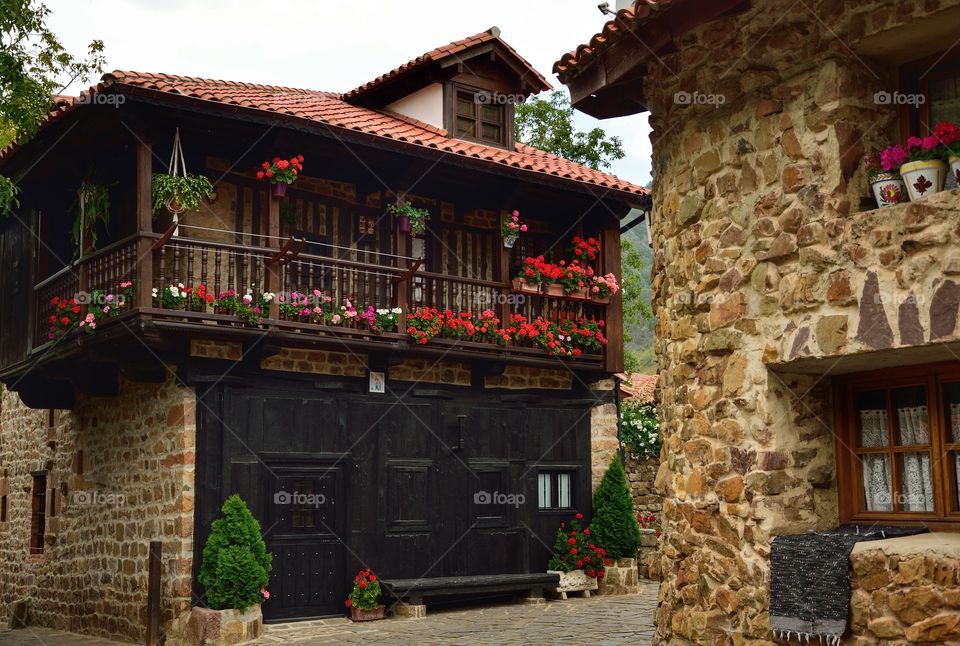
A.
pixel 575 278
pixel 535 272
pixel 424 323
pixel 585 248
pixel 579 562
pixel 364 600
pixel 280 173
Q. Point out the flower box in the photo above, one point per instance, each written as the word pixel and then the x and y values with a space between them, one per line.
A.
pixel 359 614
pixel 554 289
pixel 574 581
pixel 521 285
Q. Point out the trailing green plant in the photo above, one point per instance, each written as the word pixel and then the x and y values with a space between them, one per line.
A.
pixel 614 522
pixel 8 196
pixel 236 565
pixel 640 429
pixel 91 206
pixel 418 217
pixel 179 193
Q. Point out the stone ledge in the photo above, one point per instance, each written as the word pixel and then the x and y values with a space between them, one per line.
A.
pixel 946 544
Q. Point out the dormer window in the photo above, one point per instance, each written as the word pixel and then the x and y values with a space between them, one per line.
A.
pixel 479 115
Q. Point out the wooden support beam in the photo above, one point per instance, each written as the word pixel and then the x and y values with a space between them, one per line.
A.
pixel 144 281
pixel 153 593
pixel 614 318
pixel 273 278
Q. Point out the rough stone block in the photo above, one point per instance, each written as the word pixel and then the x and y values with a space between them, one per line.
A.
pixel 410 610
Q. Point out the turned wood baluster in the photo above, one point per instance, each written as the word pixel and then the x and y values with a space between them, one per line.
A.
pixel 190 276
pixel 163 268
pixel 178 272
pixel 203 265
pixel 216 272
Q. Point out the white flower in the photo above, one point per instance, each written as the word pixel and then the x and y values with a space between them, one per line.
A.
pixel 154 291
pixel 398 310
pixel 267 297
pixel 174 292
pixel 180 285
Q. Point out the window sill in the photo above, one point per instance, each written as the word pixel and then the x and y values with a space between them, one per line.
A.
pixel 946 544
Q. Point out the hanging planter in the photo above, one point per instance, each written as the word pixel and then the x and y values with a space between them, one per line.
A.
pixel 280 173
pixel 924 178
pixel 510 228
pixel 416 219
pixel 178 191
pixel 92 206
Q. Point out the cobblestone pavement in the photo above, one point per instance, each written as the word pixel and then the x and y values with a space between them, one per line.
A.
pixel 599 621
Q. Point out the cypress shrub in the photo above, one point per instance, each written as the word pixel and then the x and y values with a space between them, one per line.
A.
pixel 614 523
pixel 236 565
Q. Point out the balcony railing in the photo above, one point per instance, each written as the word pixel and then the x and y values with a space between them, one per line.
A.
pixel 394 282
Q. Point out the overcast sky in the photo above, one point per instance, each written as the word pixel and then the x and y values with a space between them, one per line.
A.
pixel 330 44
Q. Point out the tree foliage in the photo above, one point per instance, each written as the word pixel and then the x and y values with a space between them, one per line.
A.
pixel 34 66
pixel 614 522
pixel 236 564
pixel 547 124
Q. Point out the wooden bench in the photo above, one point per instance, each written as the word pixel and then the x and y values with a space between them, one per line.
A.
pixel 414 591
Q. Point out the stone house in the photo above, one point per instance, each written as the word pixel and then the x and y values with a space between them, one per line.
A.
pixel 352 445
pixel 807 342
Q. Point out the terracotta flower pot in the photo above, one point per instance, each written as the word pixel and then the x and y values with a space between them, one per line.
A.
pixel 280 189
pixel 888 189
pixel 924 177
pixel 359 614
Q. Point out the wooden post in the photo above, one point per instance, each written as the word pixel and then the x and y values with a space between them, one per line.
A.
pixel 503 261
pixel 614 317
pixel 153 594
pixel 273 277
pixel 404 288
pixel 143 287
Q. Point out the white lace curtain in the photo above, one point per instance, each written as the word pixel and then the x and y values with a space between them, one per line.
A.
pixel 917 484
pixel 877 482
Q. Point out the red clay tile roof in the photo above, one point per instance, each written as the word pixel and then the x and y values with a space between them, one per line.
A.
pixel 328 109
pixel 625 21
pixel 639 386
pixel 532 76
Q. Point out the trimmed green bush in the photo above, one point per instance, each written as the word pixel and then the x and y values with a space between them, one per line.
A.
pixel 236 565
pixel 614 522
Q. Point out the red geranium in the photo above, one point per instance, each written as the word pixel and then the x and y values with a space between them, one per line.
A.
pixel 281 171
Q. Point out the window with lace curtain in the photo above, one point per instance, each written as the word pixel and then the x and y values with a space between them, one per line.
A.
pixel 898 445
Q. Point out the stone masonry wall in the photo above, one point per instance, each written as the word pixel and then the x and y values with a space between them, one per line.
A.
pixel 906 590
pixel 765 261
pixel 122 470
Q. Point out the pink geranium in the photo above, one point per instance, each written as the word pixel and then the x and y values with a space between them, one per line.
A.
pixel 893 157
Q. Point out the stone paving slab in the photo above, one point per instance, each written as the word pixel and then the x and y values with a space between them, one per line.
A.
pixel 599 621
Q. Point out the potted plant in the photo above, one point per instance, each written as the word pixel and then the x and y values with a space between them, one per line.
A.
pixel 949 135
pixel 280 173
pixel 574 278
pixel 364 600
pixel 887 185
pixel 922 161
pixel 578 561
pixel 615 528
pixel 235 572
pixel 411 219
pixel 178 191
pixel 91 206
pixel 603 287
pixel 510 228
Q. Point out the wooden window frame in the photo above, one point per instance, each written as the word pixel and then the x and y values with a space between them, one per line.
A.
pixel 38 513
pixel 553 473
pixel 915 78
pixel 851 495
pixel 450 114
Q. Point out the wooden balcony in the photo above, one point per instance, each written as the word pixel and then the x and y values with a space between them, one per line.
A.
pixel 285 269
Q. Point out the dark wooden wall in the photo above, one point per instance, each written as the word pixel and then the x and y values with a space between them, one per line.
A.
pixel 403 477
